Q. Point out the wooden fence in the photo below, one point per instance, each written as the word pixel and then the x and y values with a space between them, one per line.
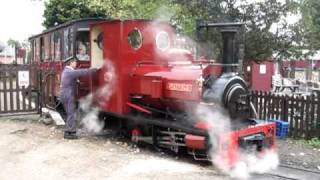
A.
pixel 19 89
pixel 300 111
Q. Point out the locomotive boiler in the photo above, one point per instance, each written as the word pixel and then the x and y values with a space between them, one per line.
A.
pixel 157 89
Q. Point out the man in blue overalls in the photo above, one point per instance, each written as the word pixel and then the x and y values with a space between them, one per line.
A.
pixel 68 85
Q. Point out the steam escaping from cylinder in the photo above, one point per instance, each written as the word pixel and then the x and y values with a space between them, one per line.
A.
pixel 216 117
pixel 248 162
pixel 253 163
pixel 90 122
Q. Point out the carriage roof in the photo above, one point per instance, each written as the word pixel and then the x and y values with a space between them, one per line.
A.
pixel 78 21
pixel 66 24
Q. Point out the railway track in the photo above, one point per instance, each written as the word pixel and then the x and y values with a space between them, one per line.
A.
pixel 292 173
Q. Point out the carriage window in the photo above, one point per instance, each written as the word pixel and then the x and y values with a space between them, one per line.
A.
pixel 47 47
pixel 135 39
pixel 32 52
pixel 52 46
pixel 82 45
pixel 57 46
pixel 37 55
pixel 42 51
pixel 68 48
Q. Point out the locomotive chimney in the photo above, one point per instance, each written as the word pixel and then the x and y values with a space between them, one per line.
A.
pixel 229 52
pixel 228 31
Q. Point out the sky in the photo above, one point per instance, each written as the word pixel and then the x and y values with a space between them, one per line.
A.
pixel 19 19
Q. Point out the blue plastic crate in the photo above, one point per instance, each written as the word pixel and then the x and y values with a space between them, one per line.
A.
pixel 282 128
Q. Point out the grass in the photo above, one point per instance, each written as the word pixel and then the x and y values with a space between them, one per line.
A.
pixel 315 142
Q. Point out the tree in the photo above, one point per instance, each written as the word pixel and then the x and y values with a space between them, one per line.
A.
pixel 14 43
pixel 310 23
pixel 60 11
pixel 259 17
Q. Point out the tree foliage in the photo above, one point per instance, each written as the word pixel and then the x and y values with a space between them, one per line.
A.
pixel 264 36
pixel 260 18
pixel 14 43
pixel 310 23
pixel 60 11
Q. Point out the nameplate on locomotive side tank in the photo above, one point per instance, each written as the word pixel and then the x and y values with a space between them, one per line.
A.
pixel 179 87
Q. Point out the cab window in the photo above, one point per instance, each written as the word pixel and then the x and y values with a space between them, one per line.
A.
pixel 135 39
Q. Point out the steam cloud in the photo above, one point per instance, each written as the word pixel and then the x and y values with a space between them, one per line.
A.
pixel 248 162
pixel 90 121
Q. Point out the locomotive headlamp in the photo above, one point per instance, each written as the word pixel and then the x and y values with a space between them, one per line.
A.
pixel 162 40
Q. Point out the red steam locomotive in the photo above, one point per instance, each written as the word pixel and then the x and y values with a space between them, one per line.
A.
pixel 161 95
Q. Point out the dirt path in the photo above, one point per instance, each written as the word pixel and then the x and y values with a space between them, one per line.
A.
pixel 31 150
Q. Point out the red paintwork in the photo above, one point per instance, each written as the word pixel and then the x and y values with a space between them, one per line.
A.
pixel 139 108
pixel 135 133
pixel 228 148
pixel 229 142
pixel 213 69
pixel 203 125
pixel 195 142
